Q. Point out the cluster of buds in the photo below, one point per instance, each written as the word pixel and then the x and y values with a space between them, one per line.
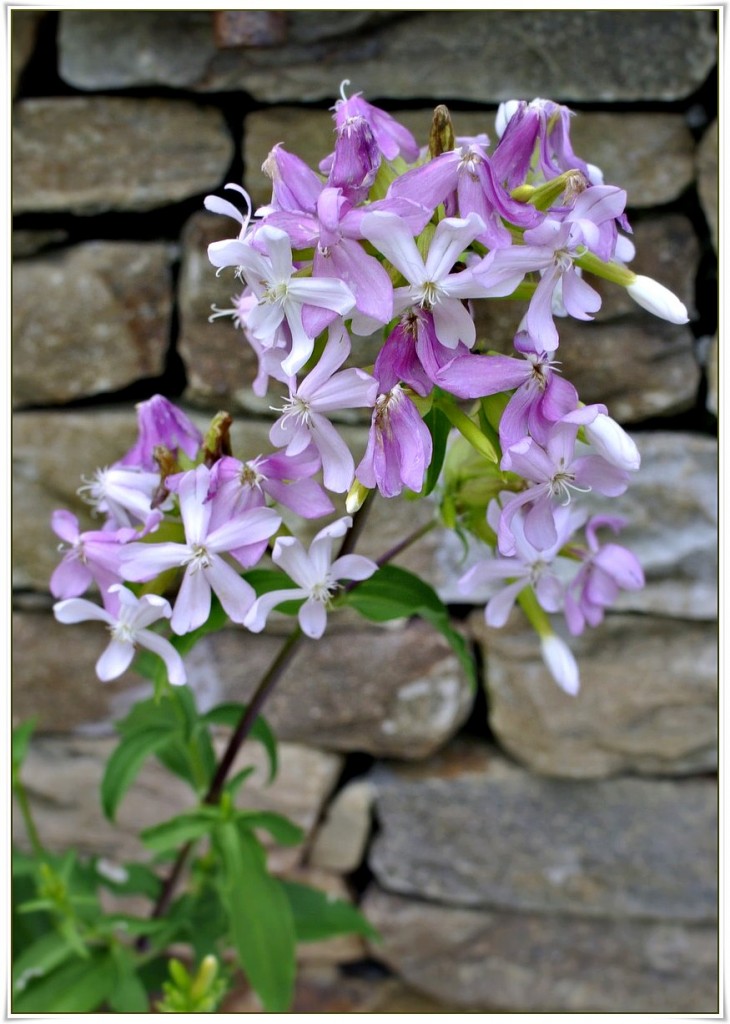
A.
pixel 386 237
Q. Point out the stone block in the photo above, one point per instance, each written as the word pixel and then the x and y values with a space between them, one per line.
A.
pixel 90 319
pixel 87 155
pixel 501 961
pixel 496 837
pixel 647 703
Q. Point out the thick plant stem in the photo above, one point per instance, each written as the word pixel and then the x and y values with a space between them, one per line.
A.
pixel 249 716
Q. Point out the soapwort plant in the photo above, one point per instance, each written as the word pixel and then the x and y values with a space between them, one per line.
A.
pixel 389 239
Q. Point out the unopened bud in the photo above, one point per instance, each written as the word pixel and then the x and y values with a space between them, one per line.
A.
pixel 560 662
pixel 218 441
pixel 612 442
pixel 441 140
pixel 660 301
pixel 356 497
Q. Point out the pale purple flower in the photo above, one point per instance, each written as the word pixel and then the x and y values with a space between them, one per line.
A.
pixel 528 567
pixel 431 283
pixel 392 138
pixel 323 391
pixel 124 494
pixel 609 439
pixel 200 556
pixel 128 628
pixel 606 570
pixel 554 471
pixel 307 305
pixel 161 423
pixel 92 556
pixel 285 478
pixel 316 575
pixel 464 182
pixel 399 446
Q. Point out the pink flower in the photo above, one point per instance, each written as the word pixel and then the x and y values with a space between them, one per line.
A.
pixel 399 446
pixel 129 630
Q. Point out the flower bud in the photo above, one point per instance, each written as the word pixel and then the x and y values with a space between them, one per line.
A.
pixel 653 296
pixel 560 662
pixel 612 442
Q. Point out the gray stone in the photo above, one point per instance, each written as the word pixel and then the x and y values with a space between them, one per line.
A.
pixel 92 154
pixel 602 55
pixel 501 838
pixel 392 692
pixel 707 178
pixel 340 841
pixel 498 960
pixel 89 320
pixel 649 155
pixel 30 243
pixel 62 776
pixel 647 703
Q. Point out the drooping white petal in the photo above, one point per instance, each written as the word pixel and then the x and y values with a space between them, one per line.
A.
pixel 171 657
pixel 313 618
pixel 78 609
pixel 233 592
pixel 115 660
pixel 262 607
pixel 393 238
pixel 560 662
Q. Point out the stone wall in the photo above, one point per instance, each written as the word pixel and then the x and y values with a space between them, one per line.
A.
pixel 519 850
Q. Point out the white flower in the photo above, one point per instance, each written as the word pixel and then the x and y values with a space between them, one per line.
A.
pixel 316 574
pixel 128 629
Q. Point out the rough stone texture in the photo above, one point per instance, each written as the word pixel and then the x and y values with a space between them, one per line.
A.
pixel 647 704
pixel 707 178
pixel 498 960
pixel 340 841
pixel 603 55
pixel 30 243
pixel 393 692
pixel 324 989
pixel 498 837
pixel 91 154
pixel 649 155
pixel 91 319
pixel 24 25
pixel 62 776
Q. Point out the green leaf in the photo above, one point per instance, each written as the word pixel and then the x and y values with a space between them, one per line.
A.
pixel 394 593
pixel 128 994
pixel 230 714
pixel 317 915
pixel 126 761
pixel 80 986
pixel 39 959
pixel 260 918
pixel 20 741
pixel 181 829
pixel 280 828
pixel 439 428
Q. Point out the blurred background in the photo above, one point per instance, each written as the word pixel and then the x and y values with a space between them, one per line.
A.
pixel 518 849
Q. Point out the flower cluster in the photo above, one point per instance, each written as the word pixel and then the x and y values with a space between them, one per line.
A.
pixel 386 237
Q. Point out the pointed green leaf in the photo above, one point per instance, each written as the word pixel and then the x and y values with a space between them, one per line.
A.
pixel 280 828
pixel 260 918
pixel 393 593
pixel 439 428
pixel 79 986
pixel 181 829
pixel 317 915
pixel 126 761
pixel 39 959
